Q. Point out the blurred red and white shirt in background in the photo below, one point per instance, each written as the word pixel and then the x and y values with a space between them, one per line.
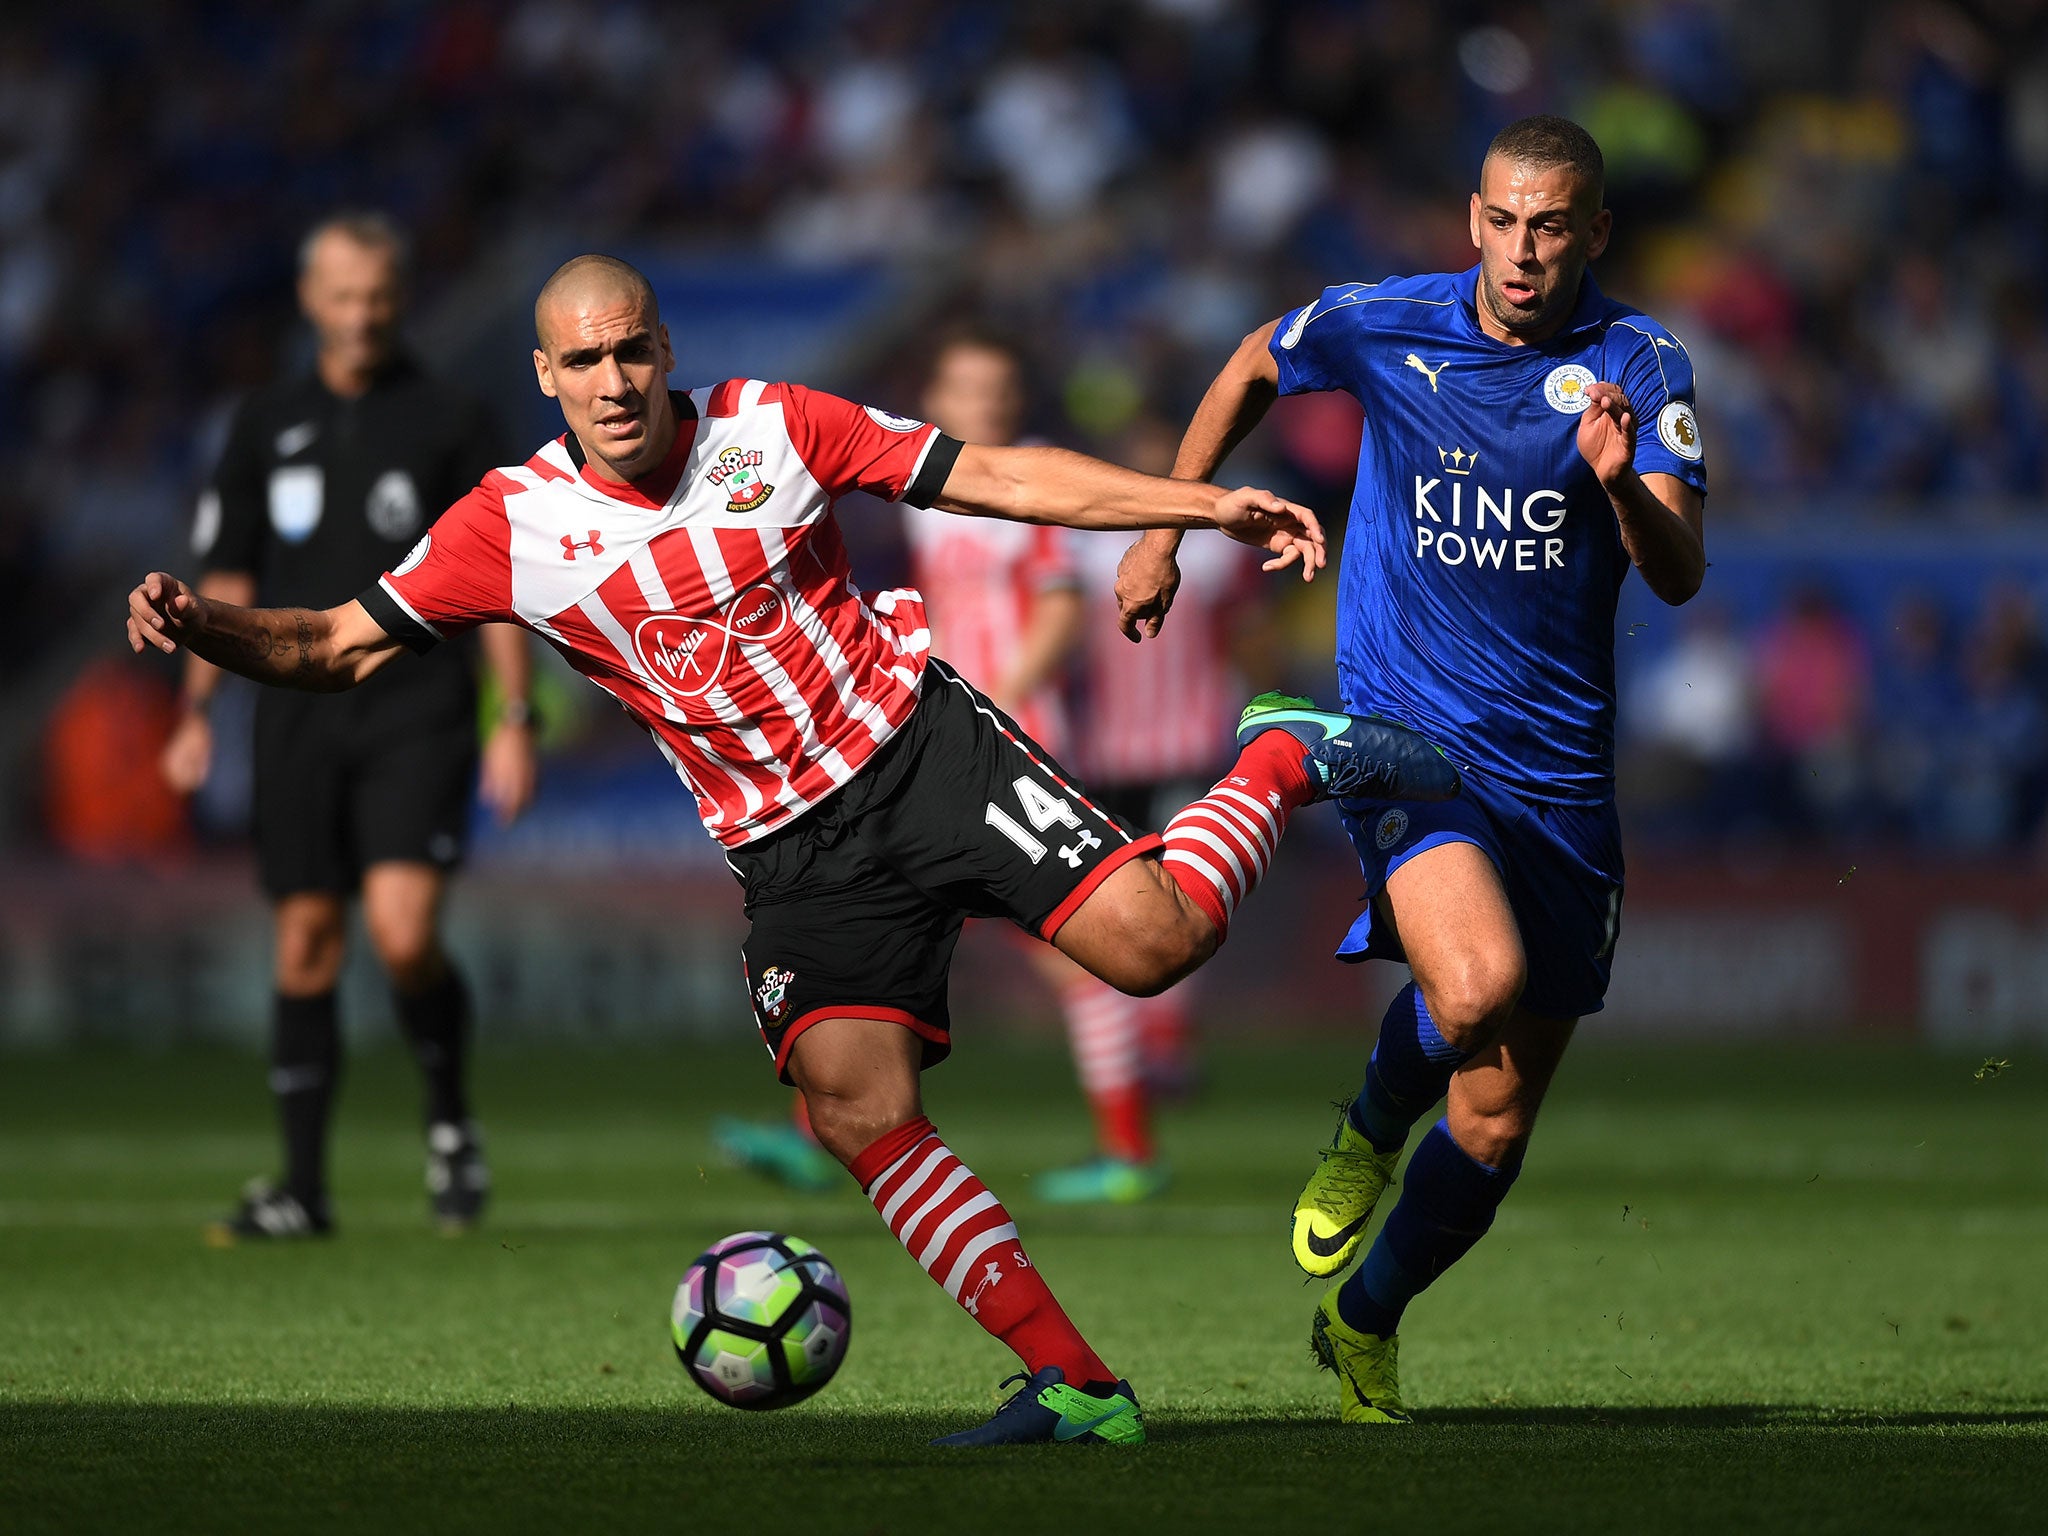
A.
pixel 1166 709
pixel 981 581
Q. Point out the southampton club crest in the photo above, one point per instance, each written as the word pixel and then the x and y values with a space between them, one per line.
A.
pixel 738 474
pixel 772 995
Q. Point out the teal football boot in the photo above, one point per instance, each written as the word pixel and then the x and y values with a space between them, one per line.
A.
pixel 1353 756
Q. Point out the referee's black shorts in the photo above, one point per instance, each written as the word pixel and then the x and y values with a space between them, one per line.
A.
pixel 339 789
pixel 857 904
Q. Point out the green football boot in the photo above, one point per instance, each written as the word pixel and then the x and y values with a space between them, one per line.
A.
pixel 1338 1200
pixel 1102 1181
pixel 1047 1411
pixel 1367 1367
pixel 778 1151
pixel 1353 756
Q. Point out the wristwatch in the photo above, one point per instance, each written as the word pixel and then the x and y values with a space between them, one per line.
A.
pixel 515 712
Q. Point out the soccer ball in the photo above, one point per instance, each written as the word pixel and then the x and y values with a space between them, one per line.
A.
pixel 761 1320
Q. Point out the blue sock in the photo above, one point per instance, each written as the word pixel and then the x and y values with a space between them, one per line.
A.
pixel 1447 1202
pixel 1410 1070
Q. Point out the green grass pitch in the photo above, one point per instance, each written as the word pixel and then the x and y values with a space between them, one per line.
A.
pixel 1736 1289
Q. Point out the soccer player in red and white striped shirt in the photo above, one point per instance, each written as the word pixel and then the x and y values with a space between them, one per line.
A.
pixel 680 550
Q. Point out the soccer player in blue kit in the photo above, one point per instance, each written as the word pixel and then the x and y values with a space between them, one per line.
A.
pixel 1527 440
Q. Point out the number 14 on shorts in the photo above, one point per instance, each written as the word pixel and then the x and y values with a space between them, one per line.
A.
pixel 1044 810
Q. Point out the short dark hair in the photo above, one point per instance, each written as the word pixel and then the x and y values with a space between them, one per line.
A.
pixel 978 336
pixel 1547 141
pixel 367 227
pixel 599 268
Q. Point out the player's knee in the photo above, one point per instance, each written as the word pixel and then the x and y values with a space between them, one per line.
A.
pixel 407 948
pixel 309 952
pixel 1472 1004
pixel 847 1123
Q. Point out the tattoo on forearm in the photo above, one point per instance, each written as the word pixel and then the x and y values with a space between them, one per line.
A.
pixel 270 645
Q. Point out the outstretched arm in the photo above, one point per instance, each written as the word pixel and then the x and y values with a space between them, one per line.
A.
pixel 1071 490
pixel 1237 400
pixel 314 650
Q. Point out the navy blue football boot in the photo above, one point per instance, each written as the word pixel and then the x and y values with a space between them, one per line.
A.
pixel 1046 1411
pixel 1353 756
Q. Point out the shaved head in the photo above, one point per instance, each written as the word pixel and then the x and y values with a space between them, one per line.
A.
pixel 587 282
pixel 604 355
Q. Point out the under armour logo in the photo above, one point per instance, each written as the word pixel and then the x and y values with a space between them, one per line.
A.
pixel 570 545
pixel 1425 370
pixel 991 1275
pixel 1072 854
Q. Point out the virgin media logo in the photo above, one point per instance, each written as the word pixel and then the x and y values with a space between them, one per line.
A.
pixel 688 657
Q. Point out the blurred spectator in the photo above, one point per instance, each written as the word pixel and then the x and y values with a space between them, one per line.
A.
pixel 1693 717
pixel 102 797
pixel 1912 731
pixel 1813 688
pixel 1055 122
pixel 1993 762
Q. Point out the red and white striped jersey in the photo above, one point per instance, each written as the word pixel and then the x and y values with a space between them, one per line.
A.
pixel 1166 708
pixel 981 578
pixel 712 597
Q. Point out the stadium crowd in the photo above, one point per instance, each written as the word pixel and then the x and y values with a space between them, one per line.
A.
pixel 1833 203
pixel 1932 737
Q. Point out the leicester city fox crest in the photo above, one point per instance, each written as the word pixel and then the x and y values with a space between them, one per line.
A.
pixel 738 474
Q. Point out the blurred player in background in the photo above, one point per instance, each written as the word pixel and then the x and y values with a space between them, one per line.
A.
pixel 324 482
pixel 1526 441
pixel 682 552
pixel 1154 717
pixel 1006 609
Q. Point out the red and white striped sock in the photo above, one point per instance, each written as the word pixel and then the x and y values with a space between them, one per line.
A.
pixel 1221 846
pixel 950 1223
pixel 1166 1031
pixel 1102 1026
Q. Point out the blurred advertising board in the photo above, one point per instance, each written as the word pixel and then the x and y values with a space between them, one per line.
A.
pixel 1796 947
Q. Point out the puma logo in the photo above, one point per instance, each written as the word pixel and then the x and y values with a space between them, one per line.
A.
pixel 1425 370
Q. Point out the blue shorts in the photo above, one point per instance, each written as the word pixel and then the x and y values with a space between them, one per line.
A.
pixel 1560 865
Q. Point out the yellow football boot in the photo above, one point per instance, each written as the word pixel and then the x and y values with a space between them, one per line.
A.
pixel 1338 1200
pixel 1367 1367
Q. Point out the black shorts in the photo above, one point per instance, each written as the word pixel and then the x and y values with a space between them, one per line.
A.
pixel 857 904
pixel 338 790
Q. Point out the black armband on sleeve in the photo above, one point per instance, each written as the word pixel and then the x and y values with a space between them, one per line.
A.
pixel 395 621
pixel 930 480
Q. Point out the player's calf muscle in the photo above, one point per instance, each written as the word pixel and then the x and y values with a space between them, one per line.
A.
pixel 1138 931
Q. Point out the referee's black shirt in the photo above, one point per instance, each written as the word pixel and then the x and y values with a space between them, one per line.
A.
pixel 317 496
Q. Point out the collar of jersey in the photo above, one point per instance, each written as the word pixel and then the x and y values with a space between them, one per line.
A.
pixel 654 488
pixel 1589 311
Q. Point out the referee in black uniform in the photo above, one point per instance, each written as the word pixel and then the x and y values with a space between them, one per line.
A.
pixel 326 482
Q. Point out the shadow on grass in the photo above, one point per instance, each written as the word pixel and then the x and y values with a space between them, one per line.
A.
pixel 1765 1467
pixel 1723 1416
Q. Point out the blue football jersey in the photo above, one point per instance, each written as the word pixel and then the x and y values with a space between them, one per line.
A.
pixel 1482 561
